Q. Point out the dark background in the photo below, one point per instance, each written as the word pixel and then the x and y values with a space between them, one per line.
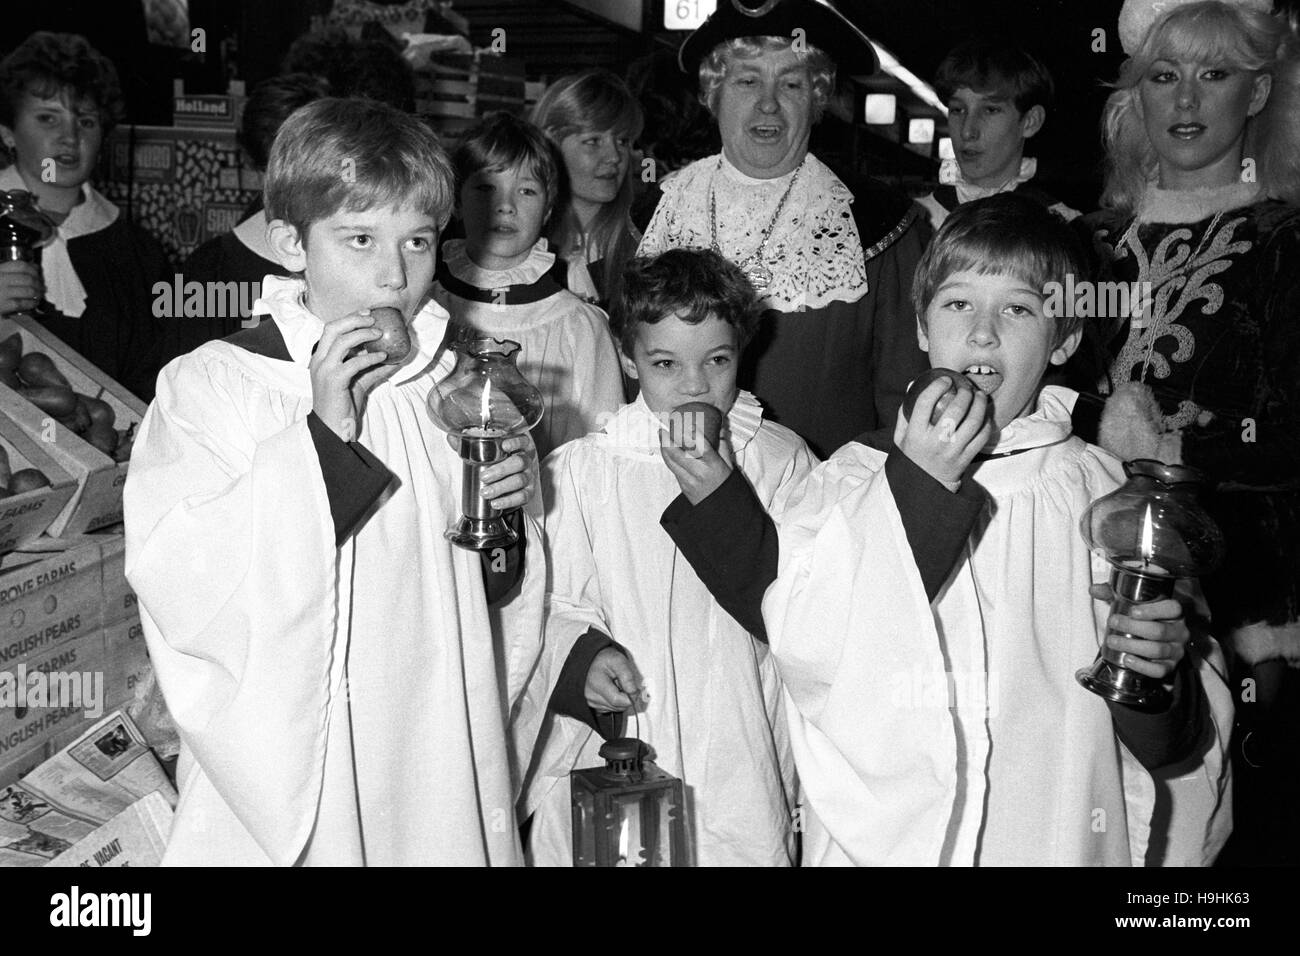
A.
pixel 247 39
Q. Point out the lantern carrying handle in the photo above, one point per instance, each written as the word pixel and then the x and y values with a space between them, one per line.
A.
pixel 636 717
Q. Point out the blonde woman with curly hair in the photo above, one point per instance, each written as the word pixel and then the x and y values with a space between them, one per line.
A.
pixel 1203 165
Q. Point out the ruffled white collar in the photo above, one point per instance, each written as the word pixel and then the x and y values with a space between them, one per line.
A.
pixel 459 264
pixel 950 174
pixel 283 298
pixel 1193 205
pixel 1048 424
pixel 634 430
pixel 63 287
pixel 814 251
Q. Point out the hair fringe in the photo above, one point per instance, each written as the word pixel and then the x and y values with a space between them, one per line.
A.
pixel 713 69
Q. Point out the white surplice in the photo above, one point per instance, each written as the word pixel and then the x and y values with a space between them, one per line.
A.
pixel 957 733
pixel 566 349
pixel 337 705
pixel 713 716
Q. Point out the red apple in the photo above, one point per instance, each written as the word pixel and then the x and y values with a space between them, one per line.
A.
pixel 956 381
pixel 395 340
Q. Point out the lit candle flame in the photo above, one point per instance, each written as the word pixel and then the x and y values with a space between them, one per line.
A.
pixel 1147 547
pixel 485 405
pixel 622 843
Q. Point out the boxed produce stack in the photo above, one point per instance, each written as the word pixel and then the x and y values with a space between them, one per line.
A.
pixel 52 613
pixel 71 647
pixel 33 488
pixel 82 418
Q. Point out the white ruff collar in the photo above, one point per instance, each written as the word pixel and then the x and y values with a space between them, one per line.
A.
pixel 527 272
pixel 283 299
pixel 1048 424
pixel 950 174
pixel 814 252
pixel 63 286
pixel 634 430
pixel 1193 205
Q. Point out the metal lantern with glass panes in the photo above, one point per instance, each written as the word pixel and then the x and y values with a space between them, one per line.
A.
pixel 1153 531
pixel 484 401
pixel 628 812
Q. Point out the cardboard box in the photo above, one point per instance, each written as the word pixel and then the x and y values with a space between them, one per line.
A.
pixel 52 600
pixel 97 499
pixel 119 600
pixel 126 661
pixel 81 675
pixel 15 766
pixel 25 516
pixel 37 731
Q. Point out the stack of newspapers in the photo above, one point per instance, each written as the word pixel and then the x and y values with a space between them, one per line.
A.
pixel 104 800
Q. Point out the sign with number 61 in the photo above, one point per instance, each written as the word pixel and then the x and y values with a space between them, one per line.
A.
pixel 687 14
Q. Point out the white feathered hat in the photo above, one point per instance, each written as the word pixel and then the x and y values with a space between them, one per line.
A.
pixel 1138 16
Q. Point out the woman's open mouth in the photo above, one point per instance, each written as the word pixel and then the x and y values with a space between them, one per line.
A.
pixel 766 133
pixel 1186 131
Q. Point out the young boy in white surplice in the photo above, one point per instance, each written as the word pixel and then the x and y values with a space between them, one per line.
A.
pixel 327 655
pixel 710 703
pixel 935 715
pixel 501 281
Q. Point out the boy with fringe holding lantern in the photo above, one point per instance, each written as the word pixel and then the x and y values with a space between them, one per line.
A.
pixel 929 666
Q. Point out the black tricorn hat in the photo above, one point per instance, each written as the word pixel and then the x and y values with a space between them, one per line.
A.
pixel 823 27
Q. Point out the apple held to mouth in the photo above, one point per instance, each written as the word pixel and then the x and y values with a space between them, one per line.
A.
pixel 395 339
pixel 956 381
pixel 691 419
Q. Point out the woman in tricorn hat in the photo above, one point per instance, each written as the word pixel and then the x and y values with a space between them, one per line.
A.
pixel 834 264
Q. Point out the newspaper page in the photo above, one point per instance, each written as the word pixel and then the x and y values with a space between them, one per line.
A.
pixel 135 837
pixel 88 783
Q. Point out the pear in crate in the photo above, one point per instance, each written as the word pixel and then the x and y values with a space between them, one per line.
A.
pixel 37 369
pixel 100 410
pixel 56 400
pixel 29 479
pixel 102 436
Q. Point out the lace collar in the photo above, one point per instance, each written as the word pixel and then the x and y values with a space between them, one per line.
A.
pixel 460 265
pixel 634 430
pixel 283 298
pixel 950 174
pixel 814 252
pixel 1193 205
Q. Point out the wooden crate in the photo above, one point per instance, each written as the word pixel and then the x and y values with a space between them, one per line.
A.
pixel 24 517
pixel 97 500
